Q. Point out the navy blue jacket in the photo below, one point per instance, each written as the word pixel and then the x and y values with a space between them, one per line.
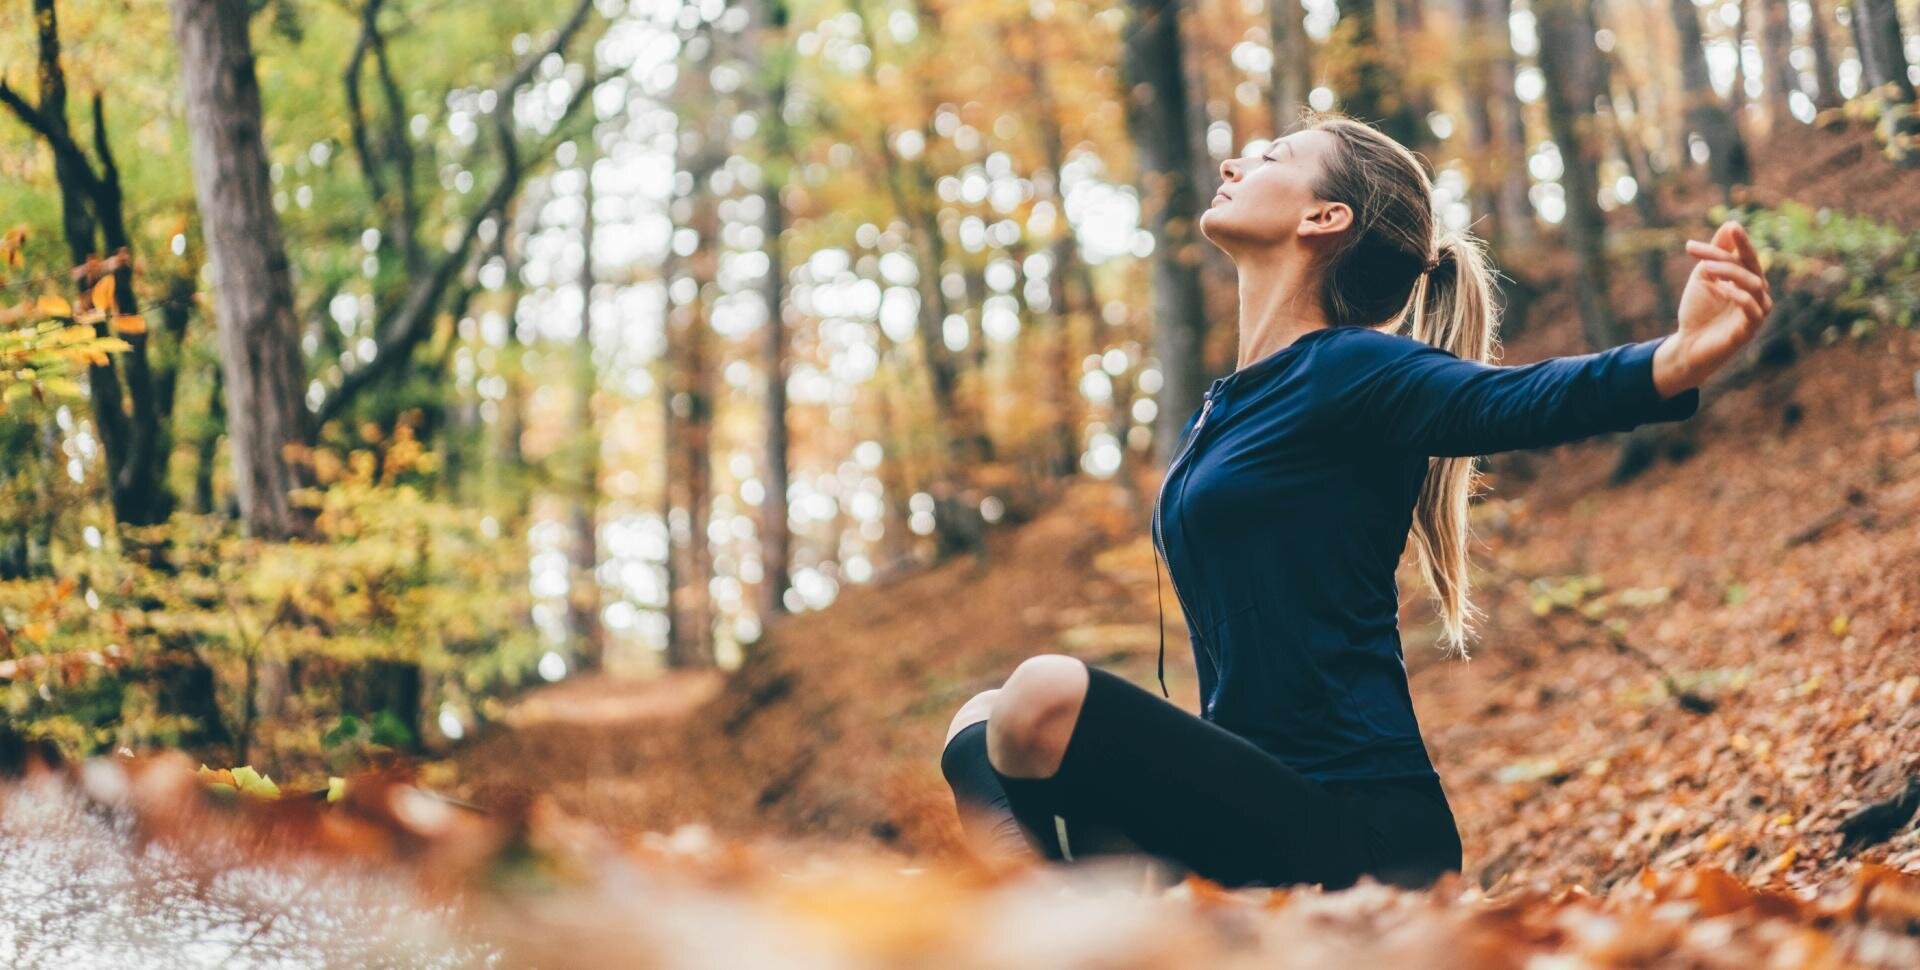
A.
pixel 1290 501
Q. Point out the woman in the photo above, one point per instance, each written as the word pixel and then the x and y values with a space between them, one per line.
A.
pixel 1281 518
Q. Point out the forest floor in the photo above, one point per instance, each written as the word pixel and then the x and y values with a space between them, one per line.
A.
pixel 1708 666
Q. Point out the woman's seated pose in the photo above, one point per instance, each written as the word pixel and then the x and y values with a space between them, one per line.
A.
pixel 1363 391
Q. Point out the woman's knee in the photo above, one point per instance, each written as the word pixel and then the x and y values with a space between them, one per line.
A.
pixel 973 711
pixel 1034 714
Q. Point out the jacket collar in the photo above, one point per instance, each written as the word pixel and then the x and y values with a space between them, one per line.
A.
pixel 1258 370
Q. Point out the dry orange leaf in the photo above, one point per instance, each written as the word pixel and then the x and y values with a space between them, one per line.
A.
pixel 103 292
pixel 54 306
pixel 129 322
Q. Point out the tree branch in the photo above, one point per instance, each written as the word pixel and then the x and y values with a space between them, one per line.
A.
pixel 61 143
pixel 411 320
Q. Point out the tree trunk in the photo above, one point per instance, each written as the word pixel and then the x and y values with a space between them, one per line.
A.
pixel 1475 38
pixel 259 334
pixel 1646 196
pixel 1373 92
pixel 1706 116
pixel 1883 58
pixel 1070 295
pixel 92 214
pixel 704 147
pixel 1519 228
pixel 776 540
pixel 1292 63
pixel 1219 281
pixel 1782 80
pixel 1157 123
pixel 1569 64
pixel 1825 70
pixel 583 587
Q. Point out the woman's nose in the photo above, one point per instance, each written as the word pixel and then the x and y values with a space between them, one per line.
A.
pixel 1226 169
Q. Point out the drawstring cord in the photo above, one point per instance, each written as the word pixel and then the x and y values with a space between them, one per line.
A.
pixel 1163 624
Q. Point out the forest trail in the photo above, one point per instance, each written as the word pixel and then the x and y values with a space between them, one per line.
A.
pixel 1767 577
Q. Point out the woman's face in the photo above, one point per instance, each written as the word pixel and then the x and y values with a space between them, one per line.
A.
pixel 1266 199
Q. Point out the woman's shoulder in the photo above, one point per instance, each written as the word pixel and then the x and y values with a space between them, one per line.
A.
pixel 1350 351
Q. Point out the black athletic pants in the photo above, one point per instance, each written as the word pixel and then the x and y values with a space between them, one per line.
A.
pixel 1191 792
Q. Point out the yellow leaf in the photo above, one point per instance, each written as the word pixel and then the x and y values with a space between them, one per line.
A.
pixel 74 334
pixel 103 292
pixel 55 306
pixel 129 323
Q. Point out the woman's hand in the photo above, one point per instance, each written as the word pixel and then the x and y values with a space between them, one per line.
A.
pixel 1721 309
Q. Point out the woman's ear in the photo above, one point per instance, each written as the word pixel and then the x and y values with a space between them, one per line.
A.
pixel 1325 218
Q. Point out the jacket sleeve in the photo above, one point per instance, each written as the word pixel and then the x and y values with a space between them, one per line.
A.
pixel 1376 386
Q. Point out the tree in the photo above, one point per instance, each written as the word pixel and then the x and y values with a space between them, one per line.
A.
pixel 583 586
pixel 405 316
pixel 1781 78
pixel 1155 85
pixel 1705 115
pixel 1519 227
pixel 1569 62
pixel 129 413
pixel 1883 58
pixel 703 148
pixel 1292 62
pixel 768 45
pixel 265 381
pixel 1826 73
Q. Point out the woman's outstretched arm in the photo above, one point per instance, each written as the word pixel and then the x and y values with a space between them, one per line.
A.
pixel 1375 386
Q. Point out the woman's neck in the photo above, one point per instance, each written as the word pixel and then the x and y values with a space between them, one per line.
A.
pixel 1278 303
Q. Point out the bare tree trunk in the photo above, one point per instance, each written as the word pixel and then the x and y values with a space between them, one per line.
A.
pixel 1706 116
pixel 1568 62
pixel 1155 89
pixel 1292 63
pixel 583 587
pixel 704 147
pixel 1518 226
pixel 1646 196
pixel 1373 92
pixel 1825 70
pixel 1218 278
pixel 259 335
pixel 769 33
pixel 1475 39
pixel 1069 285
pixel 1776 48
pixel 1883 57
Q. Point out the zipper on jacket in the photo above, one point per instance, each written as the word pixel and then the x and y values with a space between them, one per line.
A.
pixel 1186 447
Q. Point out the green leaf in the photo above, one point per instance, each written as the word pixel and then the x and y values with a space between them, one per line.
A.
pixel 389 730
pixel 349 729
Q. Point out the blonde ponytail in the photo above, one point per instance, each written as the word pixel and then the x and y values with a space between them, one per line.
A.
pixel 1452 309
pixel 1398 267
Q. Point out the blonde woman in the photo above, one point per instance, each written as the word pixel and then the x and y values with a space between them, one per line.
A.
pixel 1363 391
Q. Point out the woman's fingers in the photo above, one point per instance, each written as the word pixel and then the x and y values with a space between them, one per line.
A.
pixel 1736 273
pixel 1710 255
pixel 1748 254
pixel 1744 299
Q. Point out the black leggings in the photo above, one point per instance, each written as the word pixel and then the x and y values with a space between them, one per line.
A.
pixel 1188 791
